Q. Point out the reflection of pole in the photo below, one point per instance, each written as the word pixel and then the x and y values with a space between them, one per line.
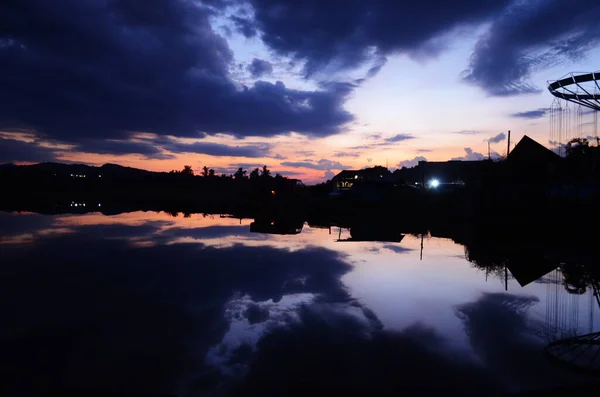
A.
pixel 340 234
pixel 505 277
pixel 421 247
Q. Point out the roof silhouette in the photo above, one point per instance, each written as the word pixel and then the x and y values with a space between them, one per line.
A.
pixel 528 150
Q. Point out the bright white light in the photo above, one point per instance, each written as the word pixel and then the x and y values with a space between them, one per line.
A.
pixel 99 205
pixel 75 204
pixel 434 183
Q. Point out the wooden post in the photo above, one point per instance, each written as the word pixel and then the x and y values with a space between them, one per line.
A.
pixel 508 145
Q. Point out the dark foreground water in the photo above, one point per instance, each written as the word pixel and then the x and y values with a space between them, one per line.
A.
pixel 150 303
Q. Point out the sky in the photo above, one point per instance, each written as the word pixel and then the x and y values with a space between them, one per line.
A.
pixel 307 88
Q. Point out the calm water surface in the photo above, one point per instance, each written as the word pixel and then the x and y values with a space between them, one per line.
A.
pixel 148 302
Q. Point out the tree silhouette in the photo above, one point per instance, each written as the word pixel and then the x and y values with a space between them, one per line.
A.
pixel 187 170
pixel 211 173
pixel 577 147
pixel 205 171
pixel 265 172
pixel 240 174
pixel 255 173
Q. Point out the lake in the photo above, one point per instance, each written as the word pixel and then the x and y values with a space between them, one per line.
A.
pixel 148 302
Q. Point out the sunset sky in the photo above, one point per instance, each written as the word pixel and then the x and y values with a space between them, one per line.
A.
pixel 307 88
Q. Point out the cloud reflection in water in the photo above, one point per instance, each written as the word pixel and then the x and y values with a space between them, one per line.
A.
pixel 148 303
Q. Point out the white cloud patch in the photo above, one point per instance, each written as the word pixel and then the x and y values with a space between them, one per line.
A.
pixel 411 163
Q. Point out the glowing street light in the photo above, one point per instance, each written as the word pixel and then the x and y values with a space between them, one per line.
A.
pixel 434 183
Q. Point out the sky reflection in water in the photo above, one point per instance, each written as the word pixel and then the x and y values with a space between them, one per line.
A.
pixel 147 302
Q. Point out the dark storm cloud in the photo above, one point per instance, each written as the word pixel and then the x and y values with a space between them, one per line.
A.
pixel 323 165
pixel 397 249
pixel 530 35
pixel 260 67
pixel 497 138
pixel 507 341
pixel 244 25
pixel 346 154
pixel 116 147
pixel 248 166
pixel 208 232
pixel 324 350
pixel 532 114
pixel 13 225
pixel 399 138
pixel 218 149
pixel 306 153
pixel 359 147
pixel 12 150
pixel 91 308
pixel 256 314
pixel 324 33
pixel 78 70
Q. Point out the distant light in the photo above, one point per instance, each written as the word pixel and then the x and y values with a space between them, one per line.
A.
pixel 434 183
pixel 83 204
pixel 75 204
pixel 355 176
pixel 99 205
pixel 99 176
pixel 71 174
pixel 273 192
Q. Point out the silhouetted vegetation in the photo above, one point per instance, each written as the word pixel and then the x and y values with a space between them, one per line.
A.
pixel 54 185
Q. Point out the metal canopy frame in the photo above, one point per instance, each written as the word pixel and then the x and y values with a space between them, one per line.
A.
pixel 571 89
